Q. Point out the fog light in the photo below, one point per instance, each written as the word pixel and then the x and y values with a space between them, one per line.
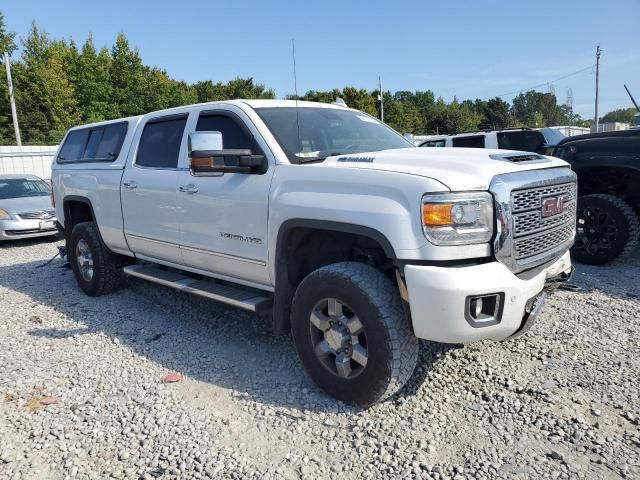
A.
pixel 484 310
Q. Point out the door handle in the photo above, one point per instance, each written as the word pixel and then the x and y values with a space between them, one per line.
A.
pixel 130 184
pixel 189 188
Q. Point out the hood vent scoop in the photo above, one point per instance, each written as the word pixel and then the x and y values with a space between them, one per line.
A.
pixel 519 158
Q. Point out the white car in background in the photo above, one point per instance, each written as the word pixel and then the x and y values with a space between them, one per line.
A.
pixel 25 208
pixel 520 139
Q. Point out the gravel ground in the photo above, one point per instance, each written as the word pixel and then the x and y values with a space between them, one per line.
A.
pixel 560 402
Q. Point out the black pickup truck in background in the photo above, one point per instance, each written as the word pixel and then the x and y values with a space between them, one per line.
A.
pixel 608 168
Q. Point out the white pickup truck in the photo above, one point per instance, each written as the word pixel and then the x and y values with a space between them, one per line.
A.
pixel 325 221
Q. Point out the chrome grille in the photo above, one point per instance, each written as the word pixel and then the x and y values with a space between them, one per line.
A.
pixel 537 244
pixel 534 234
pixel 533 221
pixel 525 238
pixel 531 198
pixel 38 215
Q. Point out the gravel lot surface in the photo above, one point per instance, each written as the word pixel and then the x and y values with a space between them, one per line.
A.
pixel 561 402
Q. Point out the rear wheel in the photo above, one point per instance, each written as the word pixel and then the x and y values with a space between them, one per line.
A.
pixel 97 269
pixel 607 228
pixel 351 333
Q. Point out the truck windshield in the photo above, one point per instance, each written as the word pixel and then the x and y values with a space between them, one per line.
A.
pixel 22 187
pixel 312 134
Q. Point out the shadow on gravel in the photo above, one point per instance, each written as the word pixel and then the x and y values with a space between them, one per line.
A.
pixel 620 278
pixel 28 242
pixel 201 339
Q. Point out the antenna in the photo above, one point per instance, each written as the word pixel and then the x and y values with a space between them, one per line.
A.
pixel 596 119
pixel 633 100
pixel 295 86
pixel 381 99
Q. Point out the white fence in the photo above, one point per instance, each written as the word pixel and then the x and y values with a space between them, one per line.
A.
pixel 35 160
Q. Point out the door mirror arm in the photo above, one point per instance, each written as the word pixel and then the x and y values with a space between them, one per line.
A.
pixel 207 157
pixel 215 162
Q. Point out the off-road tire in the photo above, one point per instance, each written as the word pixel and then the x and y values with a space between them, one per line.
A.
pixel 108 276
pixel 392 346
pixel 623 217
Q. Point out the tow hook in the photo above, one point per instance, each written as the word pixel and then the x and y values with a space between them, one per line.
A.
pixel 561 282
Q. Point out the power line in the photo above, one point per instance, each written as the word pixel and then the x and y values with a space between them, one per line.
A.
pixel 590 67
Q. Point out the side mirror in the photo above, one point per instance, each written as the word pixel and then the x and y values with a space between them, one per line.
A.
pixel 565 152
pixel 207 157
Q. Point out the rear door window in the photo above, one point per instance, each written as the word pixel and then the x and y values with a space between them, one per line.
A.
pixel 472 141
pixel 160 142
pixel 523 140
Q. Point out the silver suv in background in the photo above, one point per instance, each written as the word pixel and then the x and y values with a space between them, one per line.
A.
pixel 25 208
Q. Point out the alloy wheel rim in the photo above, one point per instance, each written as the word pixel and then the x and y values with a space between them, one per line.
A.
pixel 84 258
pixel 596 232
pixel 338 338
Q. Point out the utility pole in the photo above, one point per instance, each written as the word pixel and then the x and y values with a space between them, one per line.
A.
pixel 598 53
pixel 381 99
pixel 12 99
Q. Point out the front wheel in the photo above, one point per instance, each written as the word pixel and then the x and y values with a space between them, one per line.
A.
pixel 351 333
pixel 607 228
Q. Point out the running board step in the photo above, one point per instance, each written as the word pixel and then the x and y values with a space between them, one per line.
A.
pixel 247 298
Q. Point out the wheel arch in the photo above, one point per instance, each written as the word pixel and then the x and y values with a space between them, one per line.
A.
pixel 342 238
pixel 612 178
pixel 77 209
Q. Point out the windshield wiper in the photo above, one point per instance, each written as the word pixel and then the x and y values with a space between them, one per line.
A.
pixel 318 158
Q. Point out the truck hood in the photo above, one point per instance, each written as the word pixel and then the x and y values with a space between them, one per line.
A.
pixel 458 168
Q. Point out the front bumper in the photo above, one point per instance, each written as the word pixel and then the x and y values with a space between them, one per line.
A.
pixel 439 299
pixel 19 229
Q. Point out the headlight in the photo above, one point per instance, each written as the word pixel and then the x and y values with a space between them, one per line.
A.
pixel 457 218
pixel 4 215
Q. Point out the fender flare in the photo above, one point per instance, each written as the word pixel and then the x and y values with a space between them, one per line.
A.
pixel 284 291
pixel 65 208
pixel 342 227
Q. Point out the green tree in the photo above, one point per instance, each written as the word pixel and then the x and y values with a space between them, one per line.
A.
pixel 401 113
pixel 624 115
pixel 246 88
pixel 92 83
pixel 7 44
pixel 537 109
pixel 45 97
pixel 207 91
pixel 453 117
pixel 127 74
pixel 495 113
pixel 7 39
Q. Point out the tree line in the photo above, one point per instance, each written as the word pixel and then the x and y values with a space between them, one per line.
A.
pixel 59 84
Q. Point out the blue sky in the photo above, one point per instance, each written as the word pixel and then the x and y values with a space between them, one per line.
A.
pixel 471 49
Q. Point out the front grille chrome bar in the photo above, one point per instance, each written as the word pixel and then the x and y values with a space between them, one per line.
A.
pixel 38 215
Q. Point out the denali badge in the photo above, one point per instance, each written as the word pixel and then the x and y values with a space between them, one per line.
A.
pixel 554 205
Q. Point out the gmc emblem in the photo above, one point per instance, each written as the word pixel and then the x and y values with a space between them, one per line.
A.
pixel 554 205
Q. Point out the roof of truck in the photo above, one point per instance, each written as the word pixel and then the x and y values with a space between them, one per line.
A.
pixel 617 133
pixel 262 103
pixel 287 103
